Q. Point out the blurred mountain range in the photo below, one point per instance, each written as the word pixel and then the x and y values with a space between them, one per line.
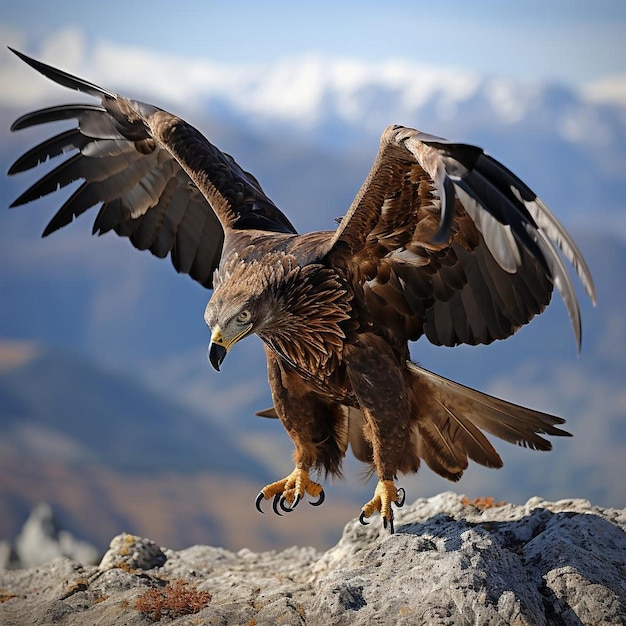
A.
pixel 108 408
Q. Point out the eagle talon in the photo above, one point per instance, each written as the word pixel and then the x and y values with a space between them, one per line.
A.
pixel 275 503
pixel 362 519
pixel 388 523
pixel 287 493
pixel 320 499
pixel 385 494
pixel 257 502
pixel 285 506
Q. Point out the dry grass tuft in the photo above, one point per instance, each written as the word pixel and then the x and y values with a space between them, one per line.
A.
pixel 173 600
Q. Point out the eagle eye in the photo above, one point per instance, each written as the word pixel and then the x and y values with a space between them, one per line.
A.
pixel 244 317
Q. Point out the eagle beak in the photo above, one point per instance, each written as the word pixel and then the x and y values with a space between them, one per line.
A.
pixel 217 349
pixel 219 346
pixel 217 354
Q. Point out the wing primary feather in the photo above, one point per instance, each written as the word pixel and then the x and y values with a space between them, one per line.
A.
pixel 64 174
pixel 498 237
pixel 81 200
pixel 69 140
pixel 54 114
pixel 555 231
pixel 494 202
pixel 563 283
pixel 65 79
pixel 541 214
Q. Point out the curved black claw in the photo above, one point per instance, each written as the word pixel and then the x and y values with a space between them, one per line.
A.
pixel 285 506
pixel 401 497
pixel 362 519
pixel 275 503
pixel 320 499
pixel 258 501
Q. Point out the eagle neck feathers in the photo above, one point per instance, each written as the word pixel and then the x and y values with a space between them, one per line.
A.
pixel 310 313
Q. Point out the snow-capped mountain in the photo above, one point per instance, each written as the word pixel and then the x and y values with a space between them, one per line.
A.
pixel 561 138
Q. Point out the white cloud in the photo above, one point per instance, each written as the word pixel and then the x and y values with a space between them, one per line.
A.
pixel 610 90
pixel 21 87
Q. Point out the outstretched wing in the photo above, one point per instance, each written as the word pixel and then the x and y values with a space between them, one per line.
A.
pixel 158 180
pixel 449 243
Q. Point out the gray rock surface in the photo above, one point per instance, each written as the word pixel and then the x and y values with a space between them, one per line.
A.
pixel 450 562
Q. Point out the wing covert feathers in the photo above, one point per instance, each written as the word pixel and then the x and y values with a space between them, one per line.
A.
pixel 474 251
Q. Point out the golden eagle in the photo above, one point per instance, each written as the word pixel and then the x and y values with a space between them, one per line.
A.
pixel 441 240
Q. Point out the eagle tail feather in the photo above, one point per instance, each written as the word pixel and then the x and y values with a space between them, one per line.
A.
pixel 450 418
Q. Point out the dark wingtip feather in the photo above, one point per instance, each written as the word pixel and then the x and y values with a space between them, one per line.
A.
pixel 16 168
pixel 54 114
pixel 60 219
pixel 63 78
pixel 69 140
pixel 23 199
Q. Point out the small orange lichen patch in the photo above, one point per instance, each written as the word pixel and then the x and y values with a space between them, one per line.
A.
pixel 174 600
pixel 484 502
pixel 7 595
pixel 129 542
pixel 80 584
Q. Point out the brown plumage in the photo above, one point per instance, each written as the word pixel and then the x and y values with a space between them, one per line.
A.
pixel 441 241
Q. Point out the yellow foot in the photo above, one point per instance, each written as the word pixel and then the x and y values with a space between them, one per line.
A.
pixel 385 494
pixel 288 492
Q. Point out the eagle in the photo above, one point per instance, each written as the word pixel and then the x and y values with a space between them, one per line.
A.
pixel 441 241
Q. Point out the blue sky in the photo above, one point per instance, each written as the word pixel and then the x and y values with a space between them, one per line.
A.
pixel 571 41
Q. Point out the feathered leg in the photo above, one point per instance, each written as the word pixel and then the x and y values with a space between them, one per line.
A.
pixel 377 376
pixel 319 431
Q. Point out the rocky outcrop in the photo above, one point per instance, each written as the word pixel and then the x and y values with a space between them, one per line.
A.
pixel 450 562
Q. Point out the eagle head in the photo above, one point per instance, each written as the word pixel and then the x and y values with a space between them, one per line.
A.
pixel 298 311
pixel 234 312
pixel 246 300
